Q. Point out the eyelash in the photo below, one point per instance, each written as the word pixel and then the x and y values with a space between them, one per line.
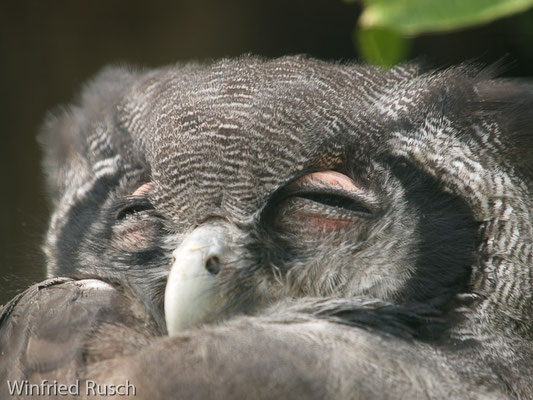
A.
pixel 334 200
pixel 133 206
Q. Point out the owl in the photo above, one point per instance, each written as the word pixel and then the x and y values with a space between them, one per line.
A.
pixel 286 228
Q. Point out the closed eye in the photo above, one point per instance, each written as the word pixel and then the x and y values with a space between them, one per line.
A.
pixel 324 201
pixel 137 225
pixel 334 200
pixel 334 190
pixel 132 206
pixel 136 203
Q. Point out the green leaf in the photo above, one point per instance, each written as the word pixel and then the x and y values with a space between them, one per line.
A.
pixel 412 17
pixel 382 46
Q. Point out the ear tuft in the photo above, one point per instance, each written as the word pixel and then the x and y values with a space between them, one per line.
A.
pixel 510 102
pixel 68 132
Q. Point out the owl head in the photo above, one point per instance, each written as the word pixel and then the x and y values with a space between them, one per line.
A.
pixel 226 188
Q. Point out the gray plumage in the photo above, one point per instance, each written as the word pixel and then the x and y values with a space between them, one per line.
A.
pixel 376 225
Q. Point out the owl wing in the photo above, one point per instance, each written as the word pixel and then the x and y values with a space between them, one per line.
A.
pixel 68 331
pixel 43 331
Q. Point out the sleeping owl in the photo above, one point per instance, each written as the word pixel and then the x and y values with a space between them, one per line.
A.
pixel 287 228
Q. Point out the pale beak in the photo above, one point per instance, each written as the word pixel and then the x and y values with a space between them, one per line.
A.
pixel 191 295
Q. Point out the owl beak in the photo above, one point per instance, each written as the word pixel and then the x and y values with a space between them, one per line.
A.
pixel 191 297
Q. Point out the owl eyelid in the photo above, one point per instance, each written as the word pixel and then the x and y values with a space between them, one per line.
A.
pixel 144 189
pixel 333 189
pixel 328 178
pixel 335 200
pixel 136 203
pixel 133 205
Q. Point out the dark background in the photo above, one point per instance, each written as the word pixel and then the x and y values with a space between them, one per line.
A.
pixel 49 48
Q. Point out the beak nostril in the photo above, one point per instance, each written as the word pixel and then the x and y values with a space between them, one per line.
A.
pixel 213 265
pixel 191 295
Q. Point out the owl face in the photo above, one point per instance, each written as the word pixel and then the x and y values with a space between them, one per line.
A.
pixel 224 189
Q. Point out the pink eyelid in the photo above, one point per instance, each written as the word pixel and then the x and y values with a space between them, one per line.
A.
pixel 331 178
pixel 336 180
pixel 144 189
